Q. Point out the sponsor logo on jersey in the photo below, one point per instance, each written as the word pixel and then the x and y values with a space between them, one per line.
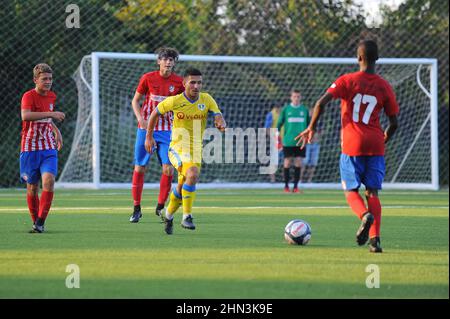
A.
pixel 47 120
pixel 296 120
pixel 157 98
pixel 180 115
pixel 196 117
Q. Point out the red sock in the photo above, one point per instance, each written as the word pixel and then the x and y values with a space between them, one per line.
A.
pixel 164 188
pixel 44 204
pixel 33 206
pixel 356 203
pixel 375 209
pixel 137 186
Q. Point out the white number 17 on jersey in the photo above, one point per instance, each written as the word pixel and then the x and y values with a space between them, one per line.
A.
pixel 365 99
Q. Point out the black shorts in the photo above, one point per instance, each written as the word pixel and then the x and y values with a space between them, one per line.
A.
pixel 293 151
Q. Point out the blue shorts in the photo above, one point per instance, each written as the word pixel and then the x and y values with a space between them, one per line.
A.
pixel 312 154
pixel 35 163
pixel 162 139
pixel 368 170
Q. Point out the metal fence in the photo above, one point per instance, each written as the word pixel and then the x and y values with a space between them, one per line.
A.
pixel 60 33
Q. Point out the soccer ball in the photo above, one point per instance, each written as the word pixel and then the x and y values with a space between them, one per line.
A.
pixel 297 232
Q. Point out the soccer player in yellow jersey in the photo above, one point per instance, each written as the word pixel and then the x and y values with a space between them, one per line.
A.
pixel 190 111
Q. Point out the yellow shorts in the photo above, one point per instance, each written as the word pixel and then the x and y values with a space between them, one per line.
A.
pixel 182 164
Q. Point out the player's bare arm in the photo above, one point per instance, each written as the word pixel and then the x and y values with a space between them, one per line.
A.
pixel 219 122
pixel 390 130
pixel 58 135
pixel 28 115
pixel 149 141
pixel 307 135
pixel 135 103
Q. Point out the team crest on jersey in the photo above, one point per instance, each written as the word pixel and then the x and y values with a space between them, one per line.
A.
pixel 171 88
pixel 201 107
pixel 51 107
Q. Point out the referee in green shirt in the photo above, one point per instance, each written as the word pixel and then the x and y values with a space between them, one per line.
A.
pixel 295 118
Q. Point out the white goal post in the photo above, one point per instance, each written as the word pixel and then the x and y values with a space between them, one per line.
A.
pixel 246 88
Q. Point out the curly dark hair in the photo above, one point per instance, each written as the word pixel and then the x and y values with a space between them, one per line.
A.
pixel 165 52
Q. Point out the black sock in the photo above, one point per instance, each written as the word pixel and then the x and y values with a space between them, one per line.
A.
pixel 296 176
pixel 40 222
pixel 137 208
pixel 160 206
pixel 286 177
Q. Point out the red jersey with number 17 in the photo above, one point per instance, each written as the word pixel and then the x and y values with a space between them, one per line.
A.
pixel 363 96
pixel 38 135
pixel 156 88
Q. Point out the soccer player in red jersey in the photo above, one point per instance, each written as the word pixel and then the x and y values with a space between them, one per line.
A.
pixel 363 95
pixel 155 87
pixel 40 141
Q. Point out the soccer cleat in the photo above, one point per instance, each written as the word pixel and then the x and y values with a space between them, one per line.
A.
pixel 374 245
pixel 37 229
pixel 168 225
pixel 158 210
pixel 296 190
pixel 188 223
pixel 135 216
pixel 286 190
pixel 362 235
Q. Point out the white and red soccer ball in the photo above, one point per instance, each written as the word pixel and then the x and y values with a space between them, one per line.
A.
pixel 297 232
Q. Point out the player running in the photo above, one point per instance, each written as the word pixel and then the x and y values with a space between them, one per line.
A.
pixel 155 86
pixel 363 95
pixel 190 110
pixel 39 148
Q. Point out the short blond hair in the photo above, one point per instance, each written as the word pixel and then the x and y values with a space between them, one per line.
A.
pixel 41 68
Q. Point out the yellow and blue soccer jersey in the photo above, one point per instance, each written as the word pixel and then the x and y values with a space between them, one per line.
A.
pixel 189 123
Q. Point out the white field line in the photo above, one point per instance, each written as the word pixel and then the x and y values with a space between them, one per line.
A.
pixel 218 192
pixel 221 207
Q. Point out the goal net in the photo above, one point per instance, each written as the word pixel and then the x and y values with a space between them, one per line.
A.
pixel 246 89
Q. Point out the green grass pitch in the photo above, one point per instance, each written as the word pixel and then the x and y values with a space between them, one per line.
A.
pixel 237 250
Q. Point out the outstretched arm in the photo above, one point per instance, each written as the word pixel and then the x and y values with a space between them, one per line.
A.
pixel 307 135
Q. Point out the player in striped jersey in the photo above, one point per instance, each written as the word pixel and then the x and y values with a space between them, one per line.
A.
pixel 154 87
pixel 38 154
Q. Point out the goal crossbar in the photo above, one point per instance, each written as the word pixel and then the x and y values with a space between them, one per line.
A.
pixel 96 57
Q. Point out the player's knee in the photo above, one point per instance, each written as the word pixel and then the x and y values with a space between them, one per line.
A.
pixel 139 169
pixel 167 170
pixel 48 183
pixel 33 189
pixel 192 175
pixel 371 192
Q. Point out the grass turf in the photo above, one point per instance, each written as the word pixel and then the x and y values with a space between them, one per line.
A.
pixel 237 250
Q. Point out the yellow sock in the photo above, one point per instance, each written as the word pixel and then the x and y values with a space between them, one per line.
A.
pixel 188 193
pixel 174 202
